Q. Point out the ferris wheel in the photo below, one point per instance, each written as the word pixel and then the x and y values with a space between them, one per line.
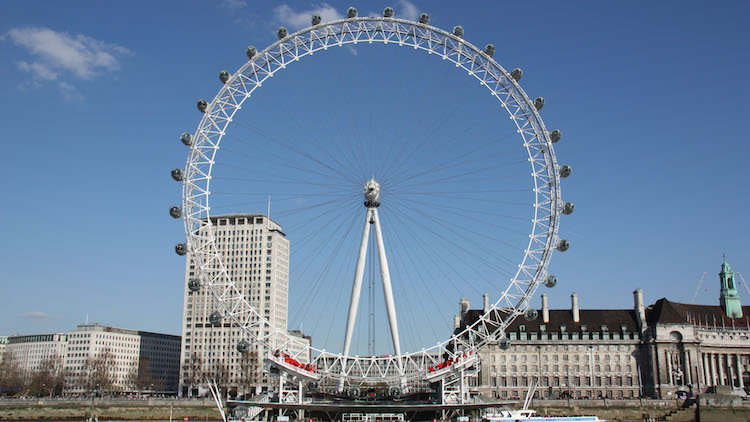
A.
pixel 425 237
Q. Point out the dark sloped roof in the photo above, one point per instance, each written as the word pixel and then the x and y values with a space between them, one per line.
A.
pixel 666 312
pixel 592 319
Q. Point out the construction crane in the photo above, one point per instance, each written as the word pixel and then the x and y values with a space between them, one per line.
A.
pixel 744 283
pixel 697 289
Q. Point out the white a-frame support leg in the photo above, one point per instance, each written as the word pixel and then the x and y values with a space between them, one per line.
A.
pixel 385 276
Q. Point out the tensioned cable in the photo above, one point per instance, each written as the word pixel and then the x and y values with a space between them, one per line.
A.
pixel 443 224
pixel 407 252
pixel 452 162
pixel 424 246
pixel 406 216
pixel 306 132
pixel 324 271
pixel 305 265
pixel 286 144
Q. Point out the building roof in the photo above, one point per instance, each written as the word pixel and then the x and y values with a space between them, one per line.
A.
pixel 667 312
pixel 233 217
pixel 591 320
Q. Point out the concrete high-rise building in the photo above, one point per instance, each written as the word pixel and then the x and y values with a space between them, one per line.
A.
pixel 255 252
pixel 3 342
pixel 126 354
pixel 29 351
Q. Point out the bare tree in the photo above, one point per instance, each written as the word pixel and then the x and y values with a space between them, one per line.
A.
pixel 48 378
pixel 250 374
pixel 192 371
pixel 98 372
pixel 11 375
pixel 220 375
pixel 141 377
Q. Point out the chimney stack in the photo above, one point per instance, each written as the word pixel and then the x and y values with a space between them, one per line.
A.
pixel 486 303
pixel 574 305
pixel 545 309
pixel 456 321
pixel 463 306
pixel 640 310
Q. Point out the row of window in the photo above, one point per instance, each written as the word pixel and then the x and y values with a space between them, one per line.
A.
pixel 564 368
pixel 579 394
pixel 565 358
pixel 567 347
pixel 556 381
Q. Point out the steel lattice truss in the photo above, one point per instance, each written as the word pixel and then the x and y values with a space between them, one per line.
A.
pixel 412 367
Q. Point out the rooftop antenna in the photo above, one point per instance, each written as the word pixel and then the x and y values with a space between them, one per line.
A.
pixel 87 318
pixel 269 207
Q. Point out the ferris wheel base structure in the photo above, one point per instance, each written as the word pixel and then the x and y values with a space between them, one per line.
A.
pixel 333 410
pixel 448 363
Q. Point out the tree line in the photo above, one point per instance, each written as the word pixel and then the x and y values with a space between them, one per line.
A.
pixel 196 372
pixel 97 375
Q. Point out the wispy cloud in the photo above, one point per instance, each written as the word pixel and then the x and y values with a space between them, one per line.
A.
pixel 406 10
pixel 38 316
pixel 233 4
pixel 295 20
pixel 58 56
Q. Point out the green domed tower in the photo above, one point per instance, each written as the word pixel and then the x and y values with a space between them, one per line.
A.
pixel 730 298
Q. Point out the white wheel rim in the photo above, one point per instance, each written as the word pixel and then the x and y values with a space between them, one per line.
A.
pixel 531 272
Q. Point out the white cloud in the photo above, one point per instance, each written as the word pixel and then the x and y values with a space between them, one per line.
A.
pixel 37 316
pixel 58 56
pixel 295 20
pixel 406 10
pixel 80 55
pixel 39 70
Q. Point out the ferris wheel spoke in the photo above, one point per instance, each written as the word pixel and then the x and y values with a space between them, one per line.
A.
pixel 418 276
pixel 311 293
pixel 450 162
pixel 305 182
pixel 284 143
pixel 270 159
pixel 491 222
pixel 469 253
pixel 446 223
pixel 457 177
pixel 475 210
pixel 312 135
pixel 302 242
pixel 431 253
pixel 406 156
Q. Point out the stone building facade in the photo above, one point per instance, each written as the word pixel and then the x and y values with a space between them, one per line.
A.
pixel 698 347
pixel 579 353
pixel 653 351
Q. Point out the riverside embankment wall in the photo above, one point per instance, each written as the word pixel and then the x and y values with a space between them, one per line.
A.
pixel 108 409
pixel 706 410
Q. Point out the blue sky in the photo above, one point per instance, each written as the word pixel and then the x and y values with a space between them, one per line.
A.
pixel 651 98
